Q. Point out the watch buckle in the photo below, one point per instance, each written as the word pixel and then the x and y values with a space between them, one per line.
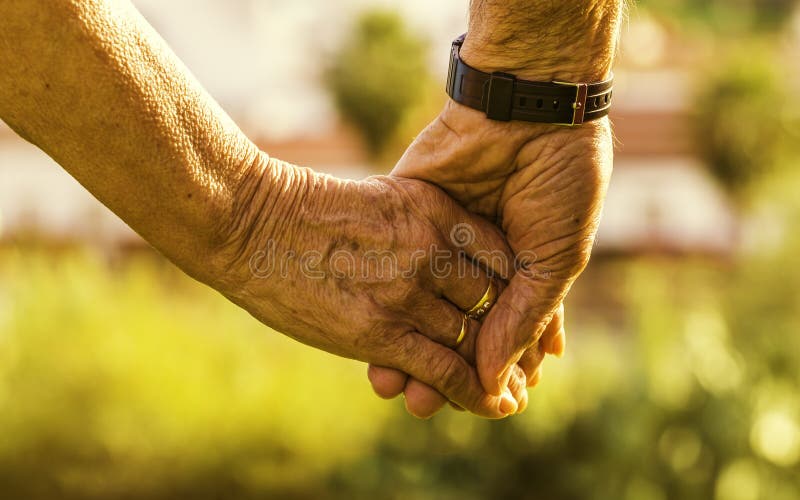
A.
pixel 579 105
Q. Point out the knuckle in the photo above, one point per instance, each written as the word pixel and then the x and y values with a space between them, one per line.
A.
pixel 395 345
pixel 436 322
pixel 400 294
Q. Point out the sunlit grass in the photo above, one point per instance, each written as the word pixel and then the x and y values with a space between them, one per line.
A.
pixel 134 367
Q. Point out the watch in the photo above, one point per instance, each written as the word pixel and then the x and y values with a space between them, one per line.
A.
pixel 503 97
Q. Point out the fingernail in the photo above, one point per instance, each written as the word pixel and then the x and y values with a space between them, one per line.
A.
pixel 559 344
pixel 508 405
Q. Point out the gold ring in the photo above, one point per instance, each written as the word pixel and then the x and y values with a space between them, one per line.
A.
pixel 463 331
pixel 486 302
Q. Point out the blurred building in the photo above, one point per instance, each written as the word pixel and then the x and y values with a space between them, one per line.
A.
pixel 260 59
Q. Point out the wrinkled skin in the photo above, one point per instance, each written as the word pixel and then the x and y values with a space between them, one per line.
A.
pixel 544 186
pixel 171 164
pixel 298 263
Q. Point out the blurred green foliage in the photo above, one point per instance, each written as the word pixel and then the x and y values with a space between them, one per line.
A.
pixel 135 382
pixel 744 118
pixel 740 123
pixel 725 16
pixel 377 76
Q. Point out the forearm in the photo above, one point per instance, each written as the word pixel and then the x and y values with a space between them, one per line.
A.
pixel 567 40
pixel 93 85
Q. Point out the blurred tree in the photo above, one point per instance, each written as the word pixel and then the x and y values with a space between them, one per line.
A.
pixel 377 75
pixel 726 16
pixel 739 120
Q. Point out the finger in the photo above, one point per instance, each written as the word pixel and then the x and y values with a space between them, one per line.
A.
pixel 437 319
pixel 559 343
pixel 552 341
pixel 387 383
pixel 517 321
pixel 517 385
pixel 531 359
pixel 467 285
pixel 448 373
pixel 422 400
pixel 478 239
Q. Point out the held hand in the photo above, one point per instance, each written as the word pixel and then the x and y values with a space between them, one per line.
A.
pixel 477 161
pixel 365 270
pixel 423 401
pixel 545 185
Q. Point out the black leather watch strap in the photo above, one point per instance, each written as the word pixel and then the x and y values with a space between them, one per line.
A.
pixel 503 97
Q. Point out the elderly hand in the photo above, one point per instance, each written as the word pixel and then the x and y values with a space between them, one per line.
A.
pixel 365 270
pixel 545 185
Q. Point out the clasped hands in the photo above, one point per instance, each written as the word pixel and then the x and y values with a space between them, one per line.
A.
pixel 379 270
pixel 376 270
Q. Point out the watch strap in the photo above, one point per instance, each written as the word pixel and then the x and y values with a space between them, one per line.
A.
pixel 504 97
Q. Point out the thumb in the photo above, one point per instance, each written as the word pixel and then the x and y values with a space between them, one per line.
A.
pixel 514 324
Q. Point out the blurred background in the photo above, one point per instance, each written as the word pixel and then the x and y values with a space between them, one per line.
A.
pixel 122 378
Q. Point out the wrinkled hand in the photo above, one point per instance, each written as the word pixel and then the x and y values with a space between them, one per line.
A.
pixel 544 185
pixel 366 270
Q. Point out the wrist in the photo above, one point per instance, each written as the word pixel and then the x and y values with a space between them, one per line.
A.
pixel 266 201
pixel 582 65
pixel 572 41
